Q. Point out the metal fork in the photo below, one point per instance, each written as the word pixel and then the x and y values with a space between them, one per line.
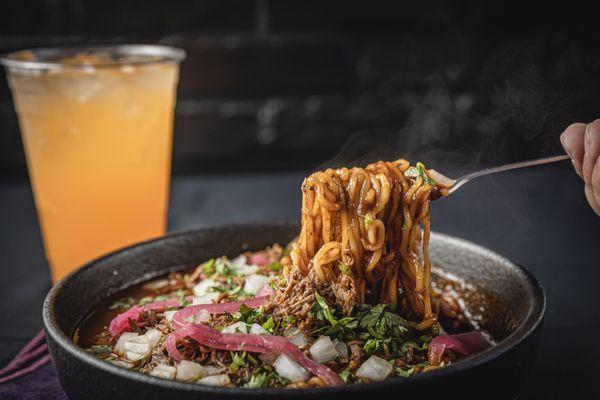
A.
pixel 521 164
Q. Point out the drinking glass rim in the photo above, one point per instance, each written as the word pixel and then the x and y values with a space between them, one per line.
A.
pixel 164 54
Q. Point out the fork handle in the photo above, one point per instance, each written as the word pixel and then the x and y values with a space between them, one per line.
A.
pixel 506 167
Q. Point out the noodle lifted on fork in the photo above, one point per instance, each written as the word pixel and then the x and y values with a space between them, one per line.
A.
pixel 371 224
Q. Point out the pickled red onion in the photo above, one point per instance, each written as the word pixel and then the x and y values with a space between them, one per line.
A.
pixel 210 337
pixel 465 344
pixel 120 323
pixel 259 259
pixel 179 319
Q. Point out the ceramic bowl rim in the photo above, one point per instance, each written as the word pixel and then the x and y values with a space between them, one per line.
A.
pixel 524 330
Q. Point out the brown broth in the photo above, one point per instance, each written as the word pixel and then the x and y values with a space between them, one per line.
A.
pixel 462 292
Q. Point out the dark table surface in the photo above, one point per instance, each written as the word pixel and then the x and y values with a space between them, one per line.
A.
pixel 537 217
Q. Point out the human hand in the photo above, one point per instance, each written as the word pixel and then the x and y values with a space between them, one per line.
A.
pixel 582 144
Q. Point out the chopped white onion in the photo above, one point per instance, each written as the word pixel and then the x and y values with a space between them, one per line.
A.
pixel 241 267
pixel 254 283
pixel 375 369
pixel 164 371
pixel 169 315
pixel 440 180
pixel 296 336
pixel 208 370
pixel 288 368
pixel 139 345
pixel 189 371
pixel 133 356
pixel 323 350
pixel 122 364
pixel 256 329
pixel 202 317
pixel 119 347
pixel 238 327
pixel 207 298
pixel 238 262
pixel 247 270
pixel 203 287
pixel 157 284
pixel 215 380
pixel 341 348
pixel 154 336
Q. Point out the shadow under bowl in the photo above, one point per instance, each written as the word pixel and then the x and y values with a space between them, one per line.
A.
pixel 509 304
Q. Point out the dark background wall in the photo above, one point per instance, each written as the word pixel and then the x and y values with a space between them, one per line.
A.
pixel 283 84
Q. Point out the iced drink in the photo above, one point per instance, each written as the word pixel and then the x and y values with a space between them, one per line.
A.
pixel 97 131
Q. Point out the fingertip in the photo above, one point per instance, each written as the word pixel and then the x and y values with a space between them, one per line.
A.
pixel 591 149
pixel 592 199
pixel 572 140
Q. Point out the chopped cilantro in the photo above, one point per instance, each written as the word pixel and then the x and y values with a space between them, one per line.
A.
pixel 371 346
pixel 343 328
pixel 273 284
pixel 414 345
pixel 405 374
pixel 346 376
pixel 344 269
pixel 100 349
pixel 182 300
pixel 237 361
pixel 424 175
pixel 269 324
pixel 222 269
pixel 419 170
pixel 411 172
pixel 247 314
pixel 275 266
pixel 208 267
pixel 405 225
pixel 265 376
pixel 368 220
pixel 124 303
pixel 145 300
pixel 251 359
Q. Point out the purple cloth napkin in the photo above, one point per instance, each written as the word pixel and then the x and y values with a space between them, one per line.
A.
pixel 30 374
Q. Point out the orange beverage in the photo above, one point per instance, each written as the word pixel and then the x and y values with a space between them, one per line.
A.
pixel 97 130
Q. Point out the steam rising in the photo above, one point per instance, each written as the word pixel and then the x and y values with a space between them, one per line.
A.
pixel 459 117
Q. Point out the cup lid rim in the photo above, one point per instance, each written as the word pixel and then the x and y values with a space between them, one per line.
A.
pixel 49 56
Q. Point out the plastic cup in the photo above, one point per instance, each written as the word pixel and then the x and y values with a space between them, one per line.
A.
pixel 97 126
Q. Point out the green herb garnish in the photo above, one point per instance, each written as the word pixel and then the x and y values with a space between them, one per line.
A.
pixel 100 349
pixel 405 225
pixel 424 175
pixel 275 266
pixel 371 346
pixel 145 300
pixel 344 327
pixel 344 269
pixel 414 345
pixel 417 171
pixel 411 172
pixel 368 220
pixel 124 303
pixel 346 376
pixel 265 376
pixel 208 267
pixel 405 374
pixel 182 299
pixel 222 269
pixel 237 361
pixel 248 315
pixel 269 324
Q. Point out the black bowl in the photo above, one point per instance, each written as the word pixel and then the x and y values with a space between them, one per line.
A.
pixel 509 303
